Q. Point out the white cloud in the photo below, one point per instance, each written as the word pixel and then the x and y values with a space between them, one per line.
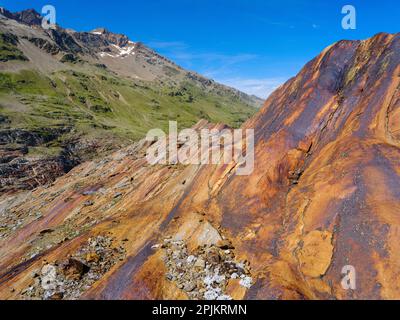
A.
pixel 221 67
pixel 261 87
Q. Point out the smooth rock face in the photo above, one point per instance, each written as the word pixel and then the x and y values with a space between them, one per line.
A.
pixel 324 195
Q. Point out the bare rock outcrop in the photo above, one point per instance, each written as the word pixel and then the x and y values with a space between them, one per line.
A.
pixel 323 195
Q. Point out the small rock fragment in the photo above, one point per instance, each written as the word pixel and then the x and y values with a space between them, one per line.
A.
pixel 246 282
pixel 92 257
pixel 200 263
pixel 75 269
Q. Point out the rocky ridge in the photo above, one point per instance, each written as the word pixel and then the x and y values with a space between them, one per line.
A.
pixel 323 195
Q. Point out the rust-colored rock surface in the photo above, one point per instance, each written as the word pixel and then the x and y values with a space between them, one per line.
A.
pixel 324 194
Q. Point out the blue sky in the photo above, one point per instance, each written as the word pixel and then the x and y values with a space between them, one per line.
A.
pixel 253 45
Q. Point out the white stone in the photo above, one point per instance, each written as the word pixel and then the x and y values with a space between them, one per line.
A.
pixel 49 277
pixel 224 298
pixel 246 282
pixel 210 295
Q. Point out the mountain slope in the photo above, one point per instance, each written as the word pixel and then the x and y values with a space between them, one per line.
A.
pixel 323 195
pixel 91 92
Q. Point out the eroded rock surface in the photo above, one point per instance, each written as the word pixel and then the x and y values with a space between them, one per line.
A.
pixel 323 195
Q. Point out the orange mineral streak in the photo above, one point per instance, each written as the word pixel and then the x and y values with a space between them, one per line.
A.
pixel 324 194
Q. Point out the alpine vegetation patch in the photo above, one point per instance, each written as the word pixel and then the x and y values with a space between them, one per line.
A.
pixel 205 146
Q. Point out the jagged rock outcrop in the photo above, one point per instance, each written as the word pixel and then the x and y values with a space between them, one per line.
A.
pixel 323 195
pixel 120 40
pixel 29 17
pixel 45 45
pixel 21 170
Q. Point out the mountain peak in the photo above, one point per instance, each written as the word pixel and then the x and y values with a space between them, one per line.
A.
pixel 29 11
pixel 113 38
pixel 30 16
pixel 99 31
pixel 4 11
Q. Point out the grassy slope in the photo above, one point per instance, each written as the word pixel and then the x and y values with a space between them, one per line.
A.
pixel 98 104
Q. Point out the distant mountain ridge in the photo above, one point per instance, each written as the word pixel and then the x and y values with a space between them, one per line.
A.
pixel 91 92
pixel 104 43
